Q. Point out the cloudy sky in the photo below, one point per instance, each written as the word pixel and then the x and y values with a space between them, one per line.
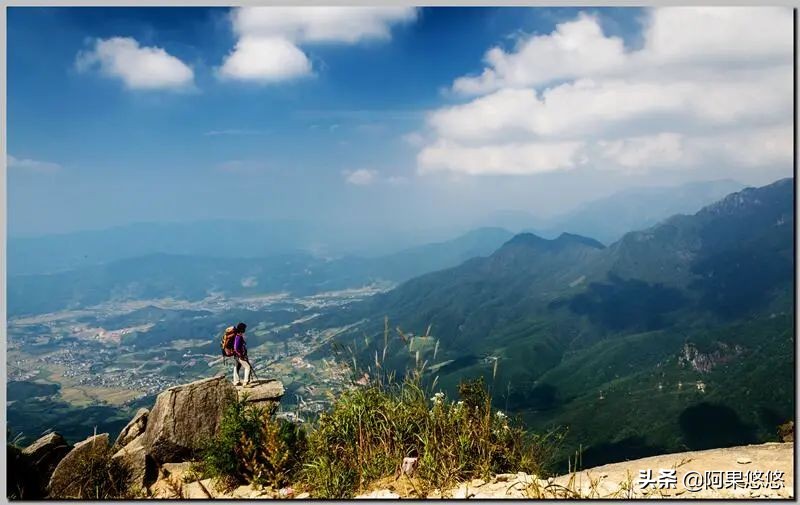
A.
pixel 383 119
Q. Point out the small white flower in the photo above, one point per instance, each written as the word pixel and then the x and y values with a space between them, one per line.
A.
pixel 500 414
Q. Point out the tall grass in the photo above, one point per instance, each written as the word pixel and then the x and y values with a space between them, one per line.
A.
pixel 370 429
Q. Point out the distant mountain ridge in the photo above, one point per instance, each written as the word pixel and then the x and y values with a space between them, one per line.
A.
pixel 671 253
pixel 608 219
pixel 605 219
pixel 557 324
pixel 192 277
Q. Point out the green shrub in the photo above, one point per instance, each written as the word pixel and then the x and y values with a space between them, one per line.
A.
pixel 252 446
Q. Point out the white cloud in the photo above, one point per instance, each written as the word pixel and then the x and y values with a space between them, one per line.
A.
pixel 576 48
pixel 31 165
pixel 673 36
pixel 369 177
pixel 499 159
pixel 320 24
pixel 713 34
pixel 269 37
pixel 265 60
pixel 754 148
pixel 360 177
pixel 703 78
pixel 637 152
pixel 138 67
pixel 589 106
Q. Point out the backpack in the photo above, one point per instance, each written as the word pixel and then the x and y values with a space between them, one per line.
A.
pixel 226 344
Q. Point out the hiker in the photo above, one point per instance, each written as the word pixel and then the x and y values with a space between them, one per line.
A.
pixel 240 359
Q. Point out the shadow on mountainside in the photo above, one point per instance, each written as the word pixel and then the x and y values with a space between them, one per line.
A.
pixel 709 426
pixel 626 304
pixel 633 447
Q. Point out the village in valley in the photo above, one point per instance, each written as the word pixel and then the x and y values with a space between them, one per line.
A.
pixel 109 355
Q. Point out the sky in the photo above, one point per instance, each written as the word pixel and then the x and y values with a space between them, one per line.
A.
pixel 383 119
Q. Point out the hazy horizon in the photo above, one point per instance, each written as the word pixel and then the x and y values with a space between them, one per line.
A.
pixel 494 218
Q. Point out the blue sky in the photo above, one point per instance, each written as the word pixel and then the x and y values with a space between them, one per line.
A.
pixel 382 120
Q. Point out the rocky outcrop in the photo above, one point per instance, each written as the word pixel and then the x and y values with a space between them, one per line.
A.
pixel 149 450
pixel 141 469
pixel 132 430
pixel 63 481
pixel 263 393
pixel 185 416
pixel 705 362
pixel 45 454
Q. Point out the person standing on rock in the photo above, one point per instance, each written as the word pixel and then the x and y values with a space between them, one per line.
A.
pixel 240 356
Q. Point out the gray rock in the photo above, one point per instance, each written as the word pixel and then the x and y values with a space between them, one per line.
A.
pixel 132 430
pixel 140 466
pixel 63 481
pixel 264 392
pixel 185 416
pixel 45 454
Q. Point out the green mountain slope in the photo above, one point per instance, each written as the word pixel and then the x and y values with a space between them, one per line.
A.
pixel 571 333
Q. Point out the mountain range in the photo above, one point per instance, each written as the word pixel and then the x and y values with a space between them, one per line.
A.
pixel 605 219
pixel 672 337
pixel 608 219
pixel 192 277
pixel 191 260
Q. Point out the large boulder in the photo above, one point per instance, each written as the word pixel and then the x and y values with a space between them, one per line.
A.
pixel 132 430
pixel 64 481
pixel 140 468
pixel 45 454
pixel 185 416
